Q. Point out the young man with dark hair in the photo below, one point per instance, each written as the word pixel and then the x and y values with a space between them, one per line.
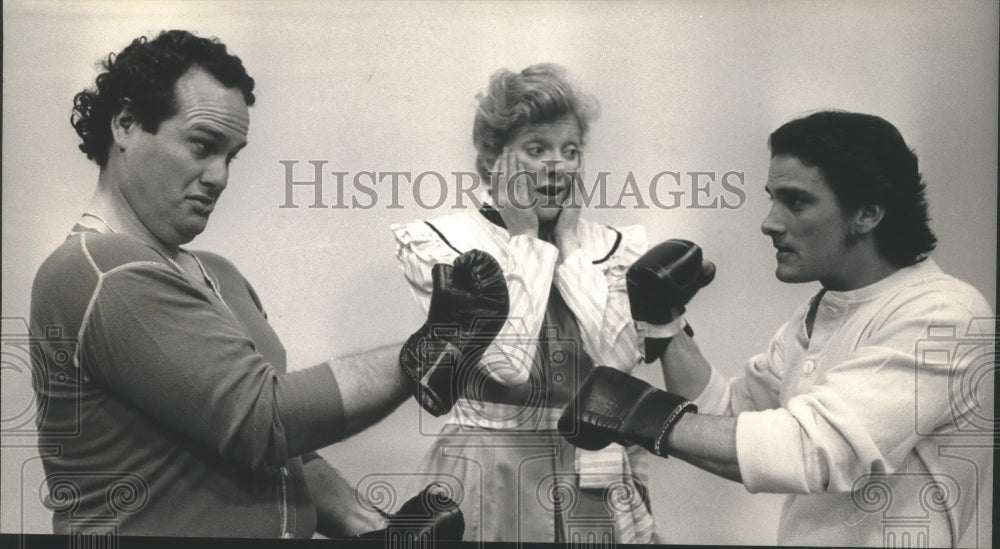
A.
pixel 843 407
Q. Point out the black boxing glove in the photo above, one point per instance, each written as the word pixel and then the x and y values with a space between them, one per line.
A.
pixel 661 282
pixel 428 517
pixel 612 406
pixel 469 306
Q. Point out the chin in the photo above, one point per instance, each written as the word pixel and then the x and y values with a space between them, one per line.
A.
pixel 189 233
pixel 790 277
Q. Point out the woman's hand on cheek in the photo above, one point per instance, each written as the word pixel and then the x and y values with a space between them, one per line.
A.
pixel 512 195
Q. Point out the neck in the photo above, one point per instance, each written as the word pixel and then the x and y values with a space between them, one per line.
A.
pixel 546 230
pixel 112 208
pixel 864 267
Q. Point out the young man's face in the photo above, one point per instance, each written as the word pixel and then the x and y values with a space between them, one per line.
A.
pixel 174 177
pixel 807 226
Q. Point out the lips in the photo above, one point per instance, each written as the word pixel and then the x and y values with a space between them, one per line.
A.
pixel 550 190
pixel 554 187
pixel 202 204
pixel 784 252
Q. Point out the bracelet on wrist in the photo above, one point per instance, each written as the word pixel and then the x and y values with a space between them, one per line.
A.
pixel 659 446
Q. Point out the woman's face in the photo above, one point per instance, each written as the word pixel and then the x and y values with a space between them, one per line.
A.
pixel 551 152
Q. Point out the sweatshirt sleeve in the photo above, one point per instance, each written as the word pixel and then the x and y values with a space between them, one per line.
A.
pixel 160 344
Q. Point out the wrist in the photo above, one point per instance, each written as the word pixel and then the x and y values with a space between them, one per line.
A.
pixel 655 416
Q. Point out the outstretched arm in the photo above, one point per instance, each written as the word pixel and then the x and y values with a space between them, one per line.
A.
pixel 371 384
pixel 614 407
pixel 707 442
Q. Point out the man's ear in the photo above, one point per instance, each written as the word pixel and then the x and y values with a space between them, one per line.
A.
pixel 123 124
pixel 866 218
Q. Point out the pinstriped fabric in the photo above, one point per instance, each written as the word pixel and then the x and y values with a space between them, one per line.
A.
pixel 507 417
pixel 528 265
pixel 592 283
pixel 597 295
pixel 634 522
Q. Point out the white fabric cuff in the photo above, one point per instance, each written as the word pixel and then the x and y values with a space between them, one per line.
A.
pixel 662 331
pixel 714 398
pixel 769 452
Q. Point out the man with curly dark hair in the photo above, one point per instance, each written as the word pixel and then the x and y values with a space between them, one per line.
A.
pixel 172 406
pixel 143 76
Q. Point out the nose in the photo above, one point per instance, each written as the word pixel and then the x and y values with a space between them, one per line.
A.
pixel 555 165
pixel 216 174
pixel 772 224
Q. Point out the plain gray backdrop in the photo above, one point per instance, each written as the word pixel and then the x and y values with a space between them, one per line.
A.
pixel 683 86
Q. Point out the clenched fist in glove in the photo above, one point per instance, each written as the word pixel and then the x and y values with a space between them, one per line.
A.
pixel 430 516
pixel 612 406
pixel 469 306
pixel 660 284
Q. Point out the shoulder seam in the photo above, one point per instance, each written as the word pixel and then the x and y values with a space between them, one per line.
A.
pixel 93 299
pixel 86 254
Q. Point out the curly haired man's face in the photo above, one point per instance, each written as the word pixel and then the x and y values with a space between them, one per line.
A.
pixel 175 176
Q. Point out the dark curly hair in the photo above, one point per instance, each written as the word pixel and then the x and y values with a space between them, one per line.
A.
pixel 537 95
pixel 144 74
pixel 865 160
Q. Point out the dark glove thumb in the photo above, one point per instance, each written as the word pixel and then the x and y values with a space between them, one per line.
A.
pixel 707 273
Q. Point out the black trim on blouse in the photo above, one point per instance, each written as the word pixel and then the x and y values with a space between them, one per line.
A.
pixel 442 237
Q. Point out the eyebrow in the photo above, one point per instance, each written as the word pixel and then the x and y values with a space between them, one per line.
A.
pixel 217 135
pixel 530 137
pixel 788 192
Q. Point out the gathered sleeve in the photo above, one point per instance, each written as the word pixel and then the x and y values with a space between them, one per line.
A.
pixel 595 291
pixel 527 263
